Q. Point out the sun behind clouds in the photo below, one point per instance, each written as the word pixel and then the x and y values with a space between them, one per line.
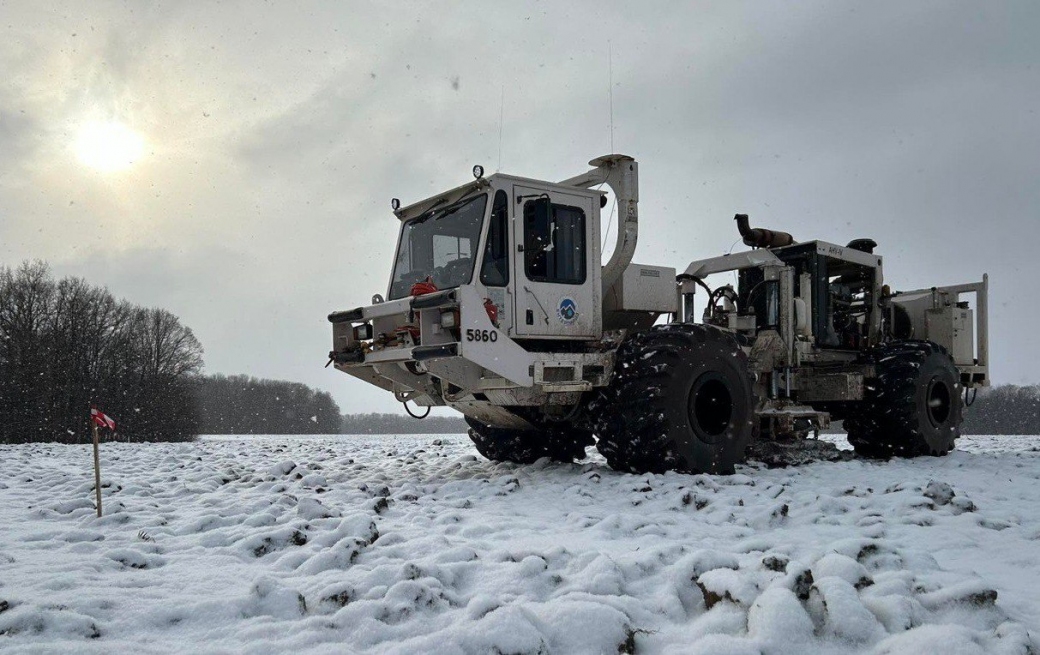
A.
pixel 109 146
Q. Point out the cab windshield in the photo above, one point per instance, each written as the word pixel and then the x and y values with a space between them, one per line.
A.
pixel 439 245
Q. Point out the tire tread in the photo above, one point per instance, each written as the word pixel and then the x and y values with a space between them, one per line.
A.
pixel 631 413
pixel 888 422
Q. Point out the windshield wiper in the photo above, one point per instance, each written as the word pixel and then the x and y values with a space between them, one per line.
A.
pixel 429 213
pixel 446 211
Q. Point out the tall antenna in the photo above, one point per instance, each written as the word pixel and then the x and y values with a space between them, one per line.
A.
pixel 610 94
pixel 610 82
pixel 501 116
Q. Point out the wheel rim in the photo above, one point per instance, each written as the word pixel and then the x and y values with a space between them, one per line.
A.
pixel 939 402
pixel 710 407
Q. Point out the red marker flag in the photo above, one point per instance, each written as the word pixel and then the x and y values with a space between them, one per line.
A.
pixel 102 419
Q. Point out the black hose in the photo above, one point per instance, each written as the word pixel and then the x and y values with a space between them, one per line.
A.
pixel 751 294
pixel 683 277
pixel 749 305
pixel 974 394
pixel 415 416
pixel 717 295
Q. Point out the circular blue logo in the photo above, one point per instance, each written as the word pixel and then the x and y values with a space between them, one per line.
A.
pixel 567 310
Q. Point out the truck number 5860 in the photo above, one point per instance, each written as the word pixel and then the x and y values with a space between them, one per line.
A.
pixel 481 335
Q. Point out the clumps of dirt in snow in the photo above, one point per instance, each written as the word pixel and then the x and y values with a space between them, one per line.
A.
pixel 135 559
pixel 407 544
pixel 796 452
pixel 30 623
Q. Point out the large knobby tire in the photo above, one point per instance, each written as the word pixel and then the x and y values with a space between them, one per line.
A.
pixel 559 444
pixel 680 399
pixel 914 405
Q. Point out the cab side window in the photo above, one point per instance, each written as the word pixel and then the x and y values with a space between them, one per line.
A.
pixel 554 242
pixel 494 272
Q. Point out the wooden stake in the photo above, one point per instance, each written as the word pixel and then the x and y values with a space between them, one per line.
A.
pixel 97 469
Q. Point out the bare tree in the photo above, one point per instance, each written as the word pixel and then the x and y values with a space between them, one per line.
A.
pixel 65 344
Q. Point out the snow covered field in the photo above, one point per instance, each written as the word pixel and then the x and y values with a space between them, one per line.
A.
pixel 414 544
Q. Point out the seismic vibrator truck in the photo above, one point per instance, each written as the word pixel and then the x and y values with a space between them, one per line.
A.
pixel 500 307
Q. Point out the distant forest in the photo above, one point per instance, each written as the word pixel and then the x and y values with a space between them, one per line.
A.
pixel 401 424
pixel 65 344
pixel 1007 409
pixel 239 404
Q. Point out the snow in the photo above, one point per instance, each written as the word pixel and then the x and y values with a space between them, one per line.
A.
pixel 405 544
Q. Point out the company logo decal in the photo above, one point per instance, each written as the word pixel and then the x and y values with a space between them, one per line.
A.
pixel 567 311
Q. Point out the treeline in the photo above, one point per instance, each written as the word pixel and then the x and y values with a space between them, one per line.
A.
pixel 65 344
pixel 397 424
pixel 239 404
pixel 1007 409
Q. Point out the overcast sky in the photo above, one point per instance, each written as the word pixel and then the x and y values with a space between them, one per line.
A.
pixel 275 135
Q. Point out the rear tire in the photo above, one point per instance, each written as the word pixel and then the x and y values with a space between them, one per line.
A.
pixel 680 399
pixel 559 444
pixel 914 405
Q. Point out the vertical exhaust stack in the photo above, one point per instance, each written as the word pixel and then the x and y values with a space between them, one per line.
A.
pixel 760 237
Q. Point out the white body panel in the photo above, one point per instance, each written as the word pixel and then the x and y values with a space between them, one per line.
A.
pixel 644 288
pixel 938 314
pixel 481 344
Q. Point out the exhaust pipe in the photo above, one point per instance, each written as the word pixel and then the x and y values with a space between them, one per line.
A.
pixel 760 237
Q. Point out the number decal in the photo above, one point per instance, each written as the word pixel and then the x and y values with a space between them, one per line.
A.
pixel 484 336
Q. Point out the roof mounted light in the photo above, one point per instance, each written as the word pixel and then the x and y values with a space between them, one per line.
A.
pixel 478 171
pixel 395 204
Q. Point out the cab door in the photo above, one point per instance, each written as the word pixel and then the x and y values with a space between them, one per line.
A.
pixel 556 266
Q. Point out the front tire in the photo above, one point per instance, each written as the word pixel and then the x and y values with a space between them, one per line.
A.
pixel 527 446
pixel 914 405
pixel 680 399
